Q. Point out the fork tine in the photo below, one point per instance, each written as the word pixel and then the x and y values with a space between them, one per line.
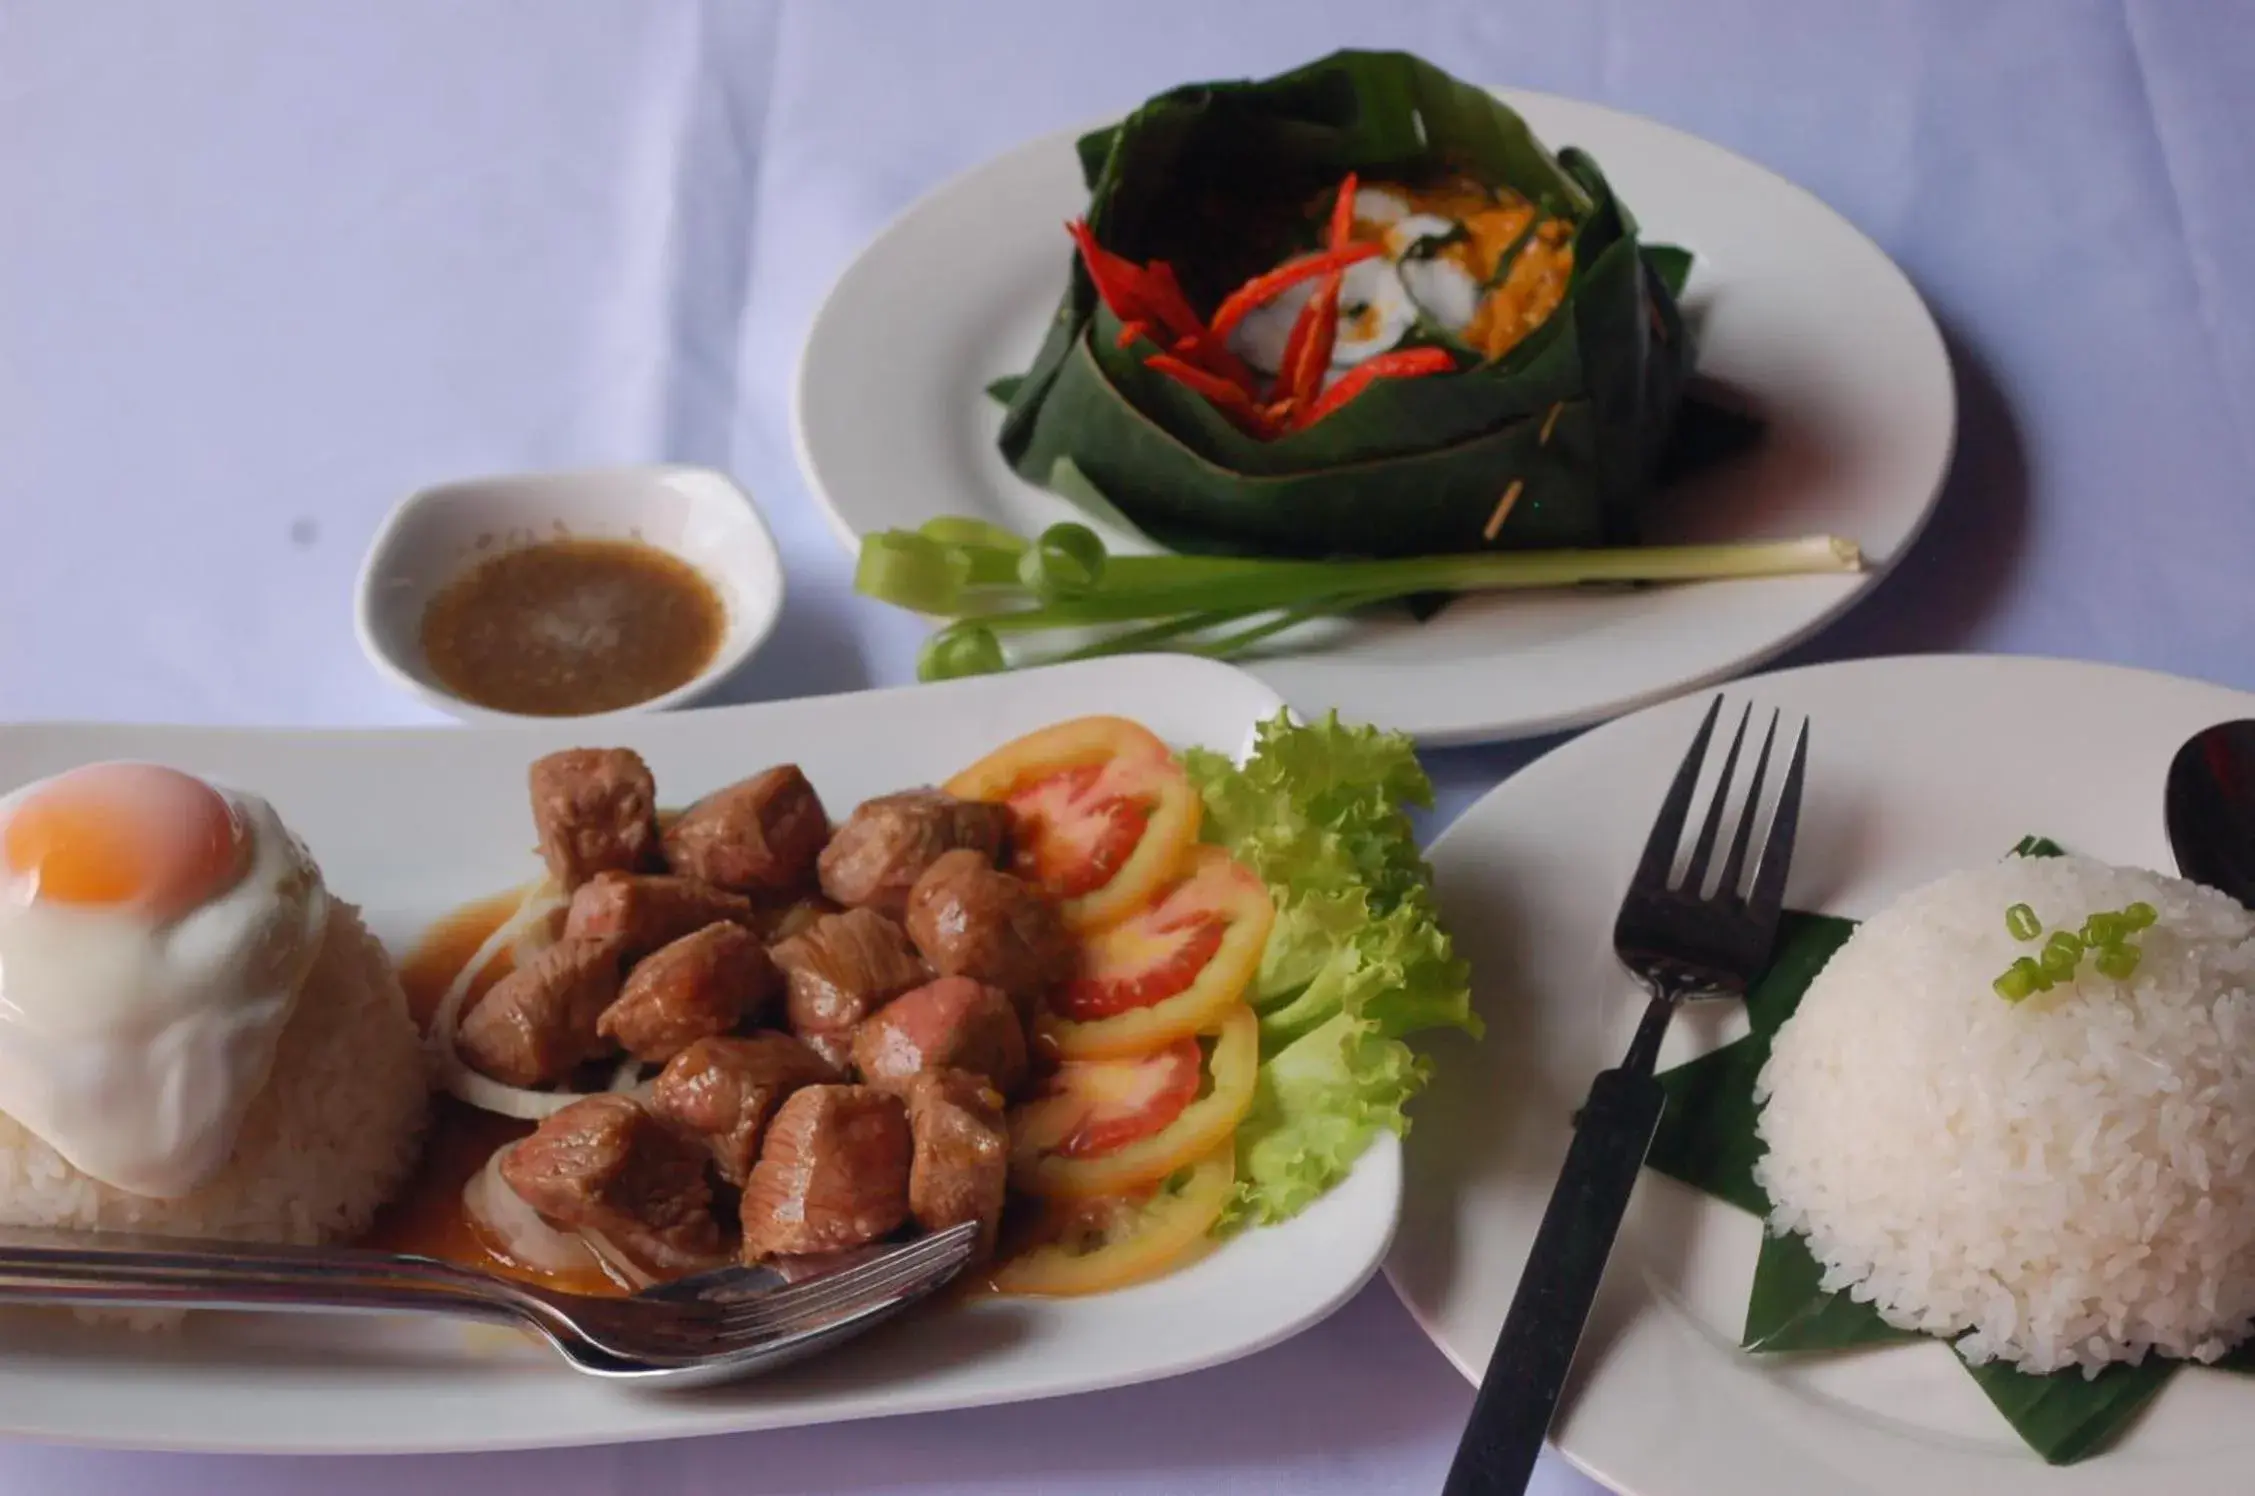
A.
pixel 1660 851
pixel 935 1253
pixel 1695 872
pixel 1777 852
pixel 1734 865
pixel 867 1294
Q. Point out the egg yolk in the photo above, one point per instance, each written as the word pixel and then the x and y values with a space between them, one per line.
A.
pixel 124 834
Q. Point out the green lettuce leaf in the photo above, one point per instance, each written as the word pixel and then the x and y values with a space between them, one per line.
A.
pixel 1321 1100
pixel 1357 960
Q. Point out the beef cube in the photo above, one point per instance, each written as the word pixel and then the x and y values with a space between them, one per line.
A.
pixel 832 1173
pixel 972 920
pixel 605 1165
pixel 785 920
pixel 960 1153
pixel 844 967
pixel 886 844
pixel 760 835
pixel 700 985
pixel 726 1091
pixel 540 1022
pixel 653 910
pixel 596 810
pixel 835 1050
pixel 951 1024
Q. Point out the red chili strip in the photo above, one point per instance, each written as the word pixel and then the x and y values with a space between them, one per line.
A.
pixel 1402 363
pixel 1193 339
pixel 1168 304
pixel 1120 282
pixel 1308 353
pixel 1343 213
pixel 1131 329
pixel 1265 288
pixel 1229 398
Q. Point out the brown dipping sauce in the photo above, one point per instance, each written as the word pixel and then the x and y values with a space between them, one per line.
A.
pixel 564 628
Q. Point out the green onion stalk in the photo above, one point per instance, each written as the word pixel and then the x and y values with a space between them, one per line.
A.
pixel 993 583
pixel 2104 937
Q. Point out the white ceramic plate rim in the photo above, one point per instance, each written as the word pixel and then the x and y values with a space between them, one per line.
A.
pixel 1917 766
pixel 1506 674
pixel 411 822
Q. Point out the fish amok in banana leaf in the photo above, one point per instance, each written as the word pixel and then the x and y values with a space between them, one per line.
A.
pixel 1545 434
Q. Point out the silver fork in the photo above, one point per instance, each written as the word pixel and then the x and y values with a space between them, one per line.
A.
pixel 1682 943
pixel 716 1326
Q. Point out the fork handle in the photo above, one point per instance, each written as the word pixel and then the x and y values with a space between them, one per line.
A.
pixel 112 1284
pixel 1527 1373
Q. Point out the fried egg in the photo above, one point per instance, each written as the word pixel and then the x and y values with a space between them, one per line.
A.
pixel 155 931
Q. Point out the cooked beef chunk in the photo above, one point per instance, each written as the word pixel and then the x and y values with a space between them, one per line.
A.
pixel 960 1163
pixel 832 1173
pixel 726 1090
pixel 972 920
pixel 886 844
pixel 835 1050
pixel 760 835
pixel 782 921
pixel 653 910
pixel 700 985
pixel 596 810
pixel 844 967
pixel 954 1023
pixel 605 1165
pixel 540 1021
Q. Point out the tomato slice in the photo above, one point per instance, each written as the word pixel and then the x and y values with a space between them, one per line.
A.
pixel 1090 1107
pixel 1102 814
pixel 1051 1157
pixel 1170 969
pixel 1090 1246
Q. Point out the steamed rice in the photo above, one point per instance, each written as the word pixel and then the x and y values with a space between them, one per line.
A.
pixel 330 1138
pixel 2061 1182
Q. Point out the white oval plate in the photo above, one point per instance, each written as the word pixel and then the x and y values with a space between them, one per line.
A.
pixel 1916 767
pixel 1797 310
pixel 412 823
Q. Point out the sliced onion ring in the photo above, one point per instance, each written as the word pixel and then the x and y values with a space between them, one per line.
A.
pixel 482 1091
pixel 520 1232
pixel 617 1261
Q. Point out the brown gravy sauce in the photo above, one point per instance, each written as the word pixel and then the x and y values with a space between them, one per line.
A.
pixel 428 1217
pixel 563 628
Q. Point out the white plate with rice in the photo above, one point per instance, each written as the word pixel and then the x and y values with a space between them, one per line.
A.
pixel 412 824
pixel 1918 768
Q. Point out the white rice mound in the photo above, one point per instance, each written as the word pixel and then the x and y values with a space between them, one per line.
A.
pixel 2062 1182
pixel 333 1135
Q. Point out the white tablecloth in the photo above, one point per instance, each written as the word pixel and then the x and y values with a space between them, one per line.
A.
pixel 265 267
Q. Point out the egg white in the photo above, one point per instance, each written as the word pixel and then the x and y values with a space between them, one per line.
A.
pixel 135 1046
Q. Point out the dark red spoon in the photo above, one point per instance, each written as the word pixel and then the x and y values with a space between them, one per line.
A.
pixel 2208 805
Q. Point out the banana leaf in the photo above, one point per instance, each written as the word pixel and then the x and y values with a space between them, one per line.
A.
pixel 1215 179
pixel 1707 1140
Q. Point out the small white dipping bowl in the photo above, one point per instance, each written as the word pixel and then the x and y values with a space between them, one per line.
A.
pixel 435 535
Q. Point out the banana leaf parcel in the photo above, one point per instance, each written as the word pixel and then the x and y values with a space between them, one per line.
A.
pixel 1552 443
